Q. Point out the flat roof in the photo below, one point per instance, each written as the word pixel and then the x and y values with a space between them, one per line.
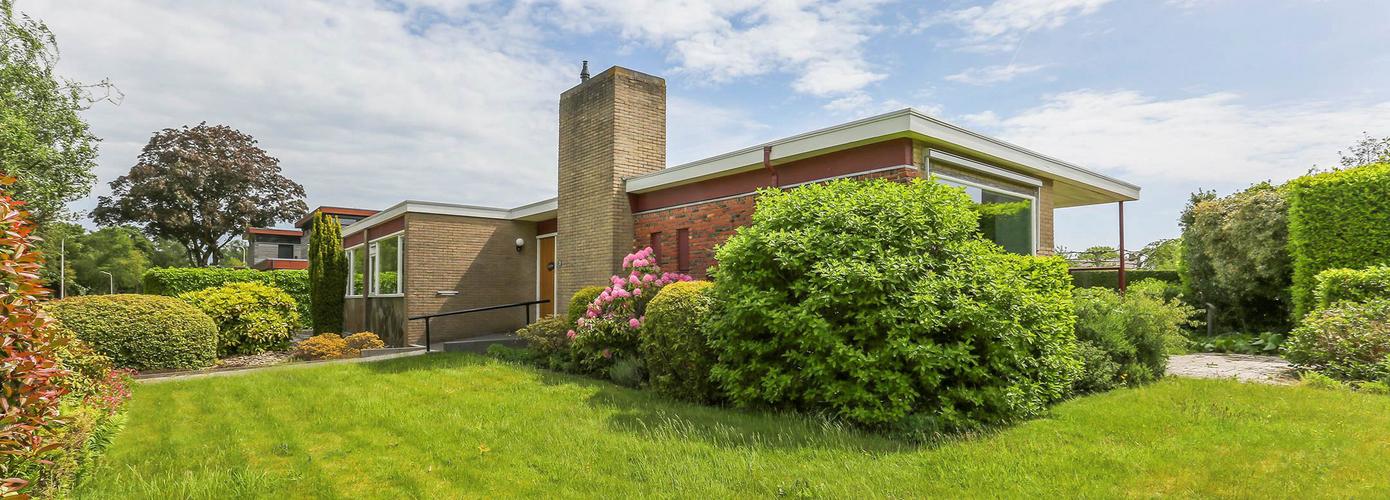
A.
pixel 274 231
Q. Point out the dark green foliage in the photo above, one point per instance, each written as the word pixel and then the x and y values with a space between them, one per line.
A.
pixel 1352 285
pixel 580 302
pixel 145 332
pixel 627 372
pixel 251 317
pixel 879 303
pixel 1347 341
pixel 1111 279
pixel 176 281
pixel 327 274
pixel 675 345
pixel 1337 220
pixel 1234 257
pixel 549 339
pixel 1135 333
pixel 1267 343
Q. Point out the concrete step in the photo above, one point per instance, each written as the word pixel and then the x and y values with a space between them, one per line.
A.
pixel 479 345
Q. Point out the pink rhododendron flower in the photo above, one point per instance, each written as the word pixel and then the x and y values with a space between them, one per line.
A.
pixel 634 323
pixel 637 292
pixel 647 278
pixel 571 334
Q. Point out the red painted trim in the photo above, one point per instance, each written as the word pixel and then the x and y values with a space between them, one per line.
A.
pixel 278 264
pixel 353 239
pixel 355 212
pixel 840 163
pixel 391 226
pixel 274 232
pixel 547 226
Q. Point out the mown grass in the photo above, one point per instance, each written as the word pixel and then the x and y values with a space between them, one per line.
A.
pixel 465 426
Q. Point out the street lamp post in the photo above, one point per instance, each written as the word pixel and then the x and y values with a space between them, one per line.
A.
pixel 110 283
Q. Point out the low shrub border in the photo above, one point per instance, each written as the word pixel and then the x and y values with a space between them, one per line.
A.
pixel 675 344
pixel 251 318
pixel 1352 285
pixel 1346 341
pixel 144 332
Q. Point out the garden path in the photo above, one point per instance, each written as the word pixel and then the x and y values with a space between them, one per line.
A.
pixel 1242 367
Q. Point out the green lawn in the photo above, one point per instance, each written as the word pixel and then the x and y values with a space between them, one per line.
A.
pixel 458 425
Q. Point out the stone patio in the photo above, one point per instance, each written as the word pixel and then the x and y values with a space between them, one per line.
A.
pixel 1242 367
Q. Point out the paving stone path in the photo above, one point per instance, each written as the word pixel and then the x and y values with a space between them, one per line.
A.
pixel 1242 367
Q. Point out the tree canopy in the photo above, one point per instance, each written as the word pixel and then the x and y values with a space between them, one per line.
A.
pixel 44 144
pixel 201 186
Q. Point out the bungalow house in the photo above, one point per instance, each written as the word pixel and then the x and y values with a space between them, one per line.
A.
pixel 615 194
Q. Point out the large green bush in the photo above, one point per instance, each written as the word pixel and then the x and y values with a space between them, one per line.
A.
pixel 1235 258
pixel 879 303
pixel 1351 285
pixel 579 303
pixel 675 345
pixel 251 318
pixel 1337 220
pixel 145 332
pixel 549 338
pixel 1126 339
pixel 174 281
pixel 1348 341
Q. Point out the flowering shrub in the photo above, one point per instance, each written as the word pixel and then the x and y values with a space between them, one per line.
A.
pixel 29 370
pixel 610 327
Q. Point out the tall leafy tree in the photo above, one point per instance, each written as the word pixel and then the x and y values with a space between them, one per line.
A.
pixel 201 186
pixel 44 144
pixel 327 273
pixel 1235 257
pixel 121 251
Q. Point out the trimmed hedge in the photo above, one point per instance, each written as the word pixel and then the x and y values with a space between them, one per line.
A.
pixel 1337 220
pixel 174 281
pixel 1352 285
pixel 879 303
pixel 251 317
pixel 145 332
pixel 675 344
pixel 1111 279
pixel 1125 340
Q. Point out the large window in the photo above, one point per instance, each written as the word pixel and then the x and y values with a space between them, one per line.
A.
pixel 386 257
pixel 1005 218
pixel 357 271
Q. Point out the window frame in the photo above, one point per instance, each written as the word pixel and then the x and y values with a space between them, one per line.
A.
pixel 351 268
pixel 374 264
pixel 1032 203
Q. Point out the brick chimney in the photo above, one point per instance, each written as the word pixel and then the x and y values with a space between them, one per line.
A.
pixel 612 126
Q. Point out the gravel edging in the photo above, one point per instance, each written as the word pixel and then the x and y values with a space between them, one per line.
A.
pixel 1243 367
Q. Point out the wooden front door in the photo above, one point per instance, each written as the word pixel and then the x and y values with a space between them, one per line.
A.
pixel 546 282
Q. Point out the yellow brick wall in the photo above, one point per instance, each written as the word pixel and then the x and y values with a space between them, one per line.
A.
pixel 611 127
pixel 476 257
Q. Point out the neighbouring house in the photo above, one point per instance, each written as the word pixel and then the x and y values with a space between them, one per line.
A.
pixel 614 193
pixel 269 248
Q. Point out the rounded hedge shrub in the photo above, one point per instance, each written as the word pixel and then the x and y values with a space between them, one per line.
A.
pixel 879 303
pixel 251 317
pixel 1125 339
pixel 674 342
pixel 1348 341
pixel 1353 285
pixel 549 338
pixel 579 303
pixel 145 332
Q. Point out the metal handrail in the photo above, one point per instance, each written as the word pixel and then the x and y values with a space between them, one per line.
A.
pixel 527 305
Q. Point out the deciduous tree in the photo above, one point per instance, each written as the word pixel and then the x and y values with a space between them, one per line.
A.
pixel 201 186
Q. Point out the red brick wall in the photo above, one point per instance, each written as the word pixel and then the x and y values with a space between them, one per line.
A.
pixel 710 223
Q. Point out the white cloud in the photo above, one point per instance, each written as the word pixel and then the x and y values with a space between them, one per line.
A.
pixel 818 42
pixel 1002 24
pixel 365 106
pixel 1213 138
pixel 988 75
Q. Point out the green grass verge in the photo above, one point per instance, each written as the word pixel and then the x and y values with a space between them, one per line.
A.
pixel 459 425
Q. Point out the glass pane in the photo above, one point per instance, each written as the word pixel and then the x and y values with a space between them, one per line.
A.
pixel 388 255
pixel 1008 221
pixel 359 272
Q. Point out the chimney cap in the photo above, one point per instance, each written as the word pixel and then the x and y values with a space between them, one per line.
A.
pixel 584 72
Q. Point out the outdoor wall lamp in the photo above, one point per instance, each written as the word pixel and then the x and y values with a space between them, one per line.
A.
pixel 520 242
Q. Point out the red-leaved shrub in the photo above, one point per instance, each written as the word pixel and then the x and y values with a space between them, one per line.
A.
pixel 29 371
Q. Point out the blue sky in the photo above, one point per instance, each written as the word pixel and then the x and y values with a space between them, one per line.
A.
pixel 367 102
